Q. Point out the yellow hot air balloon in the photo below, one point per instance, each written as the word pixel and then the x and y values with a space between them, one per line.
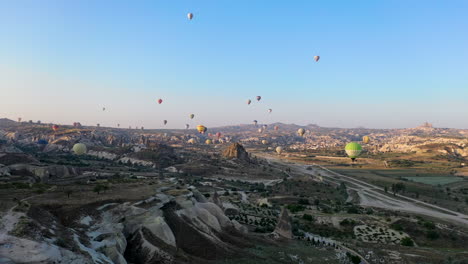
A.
pixel 79 148
pixel 209 141
pixel 202 129
pixel 191 116
pixel 264 142
pixel 301 132
pixel 279 150
pixel 192 141
pixel 366 139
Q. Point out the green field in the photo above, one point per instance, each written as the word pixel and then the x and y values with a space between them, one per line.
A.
pixel 435 180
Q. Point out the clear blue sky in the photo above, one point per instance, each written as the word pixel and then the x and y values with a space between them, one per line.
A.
pixel 391 63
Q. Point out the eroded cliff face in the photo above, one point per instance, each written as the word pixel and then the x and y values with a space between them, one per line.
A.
pixel 236 151
pixel 161 229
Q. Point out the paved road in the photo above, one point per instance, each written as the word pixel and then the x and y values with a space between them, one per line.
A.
pixel 372 195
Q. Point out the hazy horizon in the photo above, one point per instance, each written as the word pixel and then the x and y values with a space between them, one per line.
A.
pixel 383 64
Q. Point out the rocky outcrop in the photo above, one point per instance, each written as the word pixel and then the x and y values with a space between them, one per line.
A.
pixel 127 160
pixel 237 151
pixel 103 154
pixel 283 228
pixel 44 174
pixel 161 229
pixel 16 158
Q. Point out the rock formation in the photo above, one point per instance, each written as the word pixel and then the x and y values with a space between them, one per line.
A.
pixel 283 228
pixel 237 151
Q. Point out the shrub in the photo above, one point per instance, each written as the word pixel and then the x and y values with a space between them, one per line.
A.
pixel 308 217
pixel 432 235
pixel 407 242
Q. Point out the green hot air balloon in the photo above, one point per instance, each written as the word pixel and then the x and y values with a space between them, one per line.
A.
pixel 353 150
pixel 79 148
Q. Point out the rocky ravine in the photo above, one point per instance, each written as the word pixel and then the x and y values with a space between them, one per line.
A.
pixel 165 228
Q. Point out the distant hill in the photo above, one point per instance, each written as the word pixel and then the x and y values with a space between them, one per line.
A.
pixel 5 122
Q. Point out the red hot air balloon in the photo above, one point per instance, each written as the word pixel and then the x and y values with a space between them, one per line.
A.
pixel 249 102
pixel 218 135
pixel 160 101
pixel 276 128
pixel 55 128
pixel 259 98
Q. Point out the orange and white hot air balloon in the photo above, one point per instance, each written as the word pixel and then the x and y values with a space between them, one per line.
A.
pixel 190 16
pixel 316 58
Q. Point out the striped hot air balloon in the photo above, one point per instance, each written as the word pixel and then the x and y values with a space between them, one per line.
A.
pixel 353 150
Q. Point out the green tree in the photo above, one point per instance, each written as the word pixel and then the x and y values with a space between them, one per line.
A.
pixel 407 242
pixel 100 188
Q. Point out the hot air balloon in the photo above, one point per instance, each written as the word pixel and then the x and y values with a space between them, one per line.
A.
pixel 165 122
pixel 270 110
pixel 264 142
pixel 218 135
pixel 103 109
pixel 353 150
pixel 192 141
pixel 98 125
pixel 365 139
pixel 259 98
pixel 160 101
pixel 118 125
pixel 279 150
pixel 202 129
pixel 209 141
pixel 264 127
pixel 210 135
pixel 55 128
pixel 260 130
pixel 19 119
pixel 255 122
pixel 316 58
pixel 276 128
pixel 301 132
pixel 191 116
pixel 79 148
pixel 190 16
pixel 187 126
pixel 249 101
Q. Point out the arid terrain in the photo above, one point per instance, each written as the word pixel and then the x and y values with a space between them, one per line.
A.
pixel 166 196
